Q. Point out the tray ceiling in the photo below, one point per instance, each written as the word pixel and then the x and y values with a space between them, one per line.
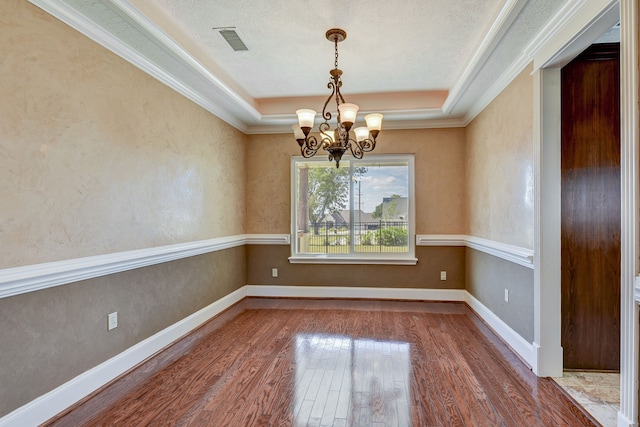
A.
pixel 421 63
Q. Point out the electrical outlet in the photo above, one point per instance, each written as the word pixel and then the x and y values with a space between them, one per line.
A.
pixel 506 295
pixel 112 321
pixel 443 275
pixel 274 272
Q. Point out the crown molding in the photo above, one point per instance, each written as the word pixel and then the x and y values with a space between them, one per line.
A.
pixel 204 88
pixel 501 24
pixel 575 26
pixel 110 23
pixel 223 102
pixel 167 42
pixel 497 87
pixel 393 120
pixel 535 51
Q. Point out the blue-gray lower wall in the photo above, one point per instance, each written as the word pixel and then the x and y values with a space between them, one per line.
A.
pixel 488 276
pixel 50 336
pixel 425 274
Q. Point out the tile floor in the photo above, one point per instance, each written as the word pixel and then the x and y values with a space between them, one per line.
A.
pixel 598 393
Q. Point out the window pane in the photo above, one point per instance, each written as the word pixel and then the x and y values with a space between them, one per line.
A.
pixel 323 208
pixel 381 213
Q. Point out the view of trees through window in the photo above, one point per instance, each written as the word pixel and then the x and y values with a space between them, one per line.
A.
pixel 361 207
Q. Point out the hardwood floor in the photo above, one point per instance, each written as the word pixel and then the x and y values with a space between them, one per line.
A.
pixel 287 362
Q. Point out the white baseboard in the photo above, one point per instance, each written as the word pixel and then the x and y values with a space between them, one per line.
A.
pixel 518 344
pixel 623 421
pixel 57 400
pixel 349 292
pixel 48 405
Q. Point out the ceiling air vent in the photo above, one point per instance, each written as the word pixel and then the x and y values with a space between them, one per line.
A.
pixel 232 38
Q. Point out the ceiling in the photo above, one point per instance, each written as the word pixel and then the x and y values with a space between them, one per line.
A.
pixel 422 63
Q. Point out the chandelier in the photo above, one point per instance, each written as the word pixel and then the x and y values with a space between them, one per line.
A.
pixel 337 141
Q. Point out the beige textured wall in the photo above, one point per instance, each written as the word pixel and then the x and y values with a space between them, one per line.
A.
pixel 439 176
pixel 98 157
pixel 49 337
pixel 499 166
pixel 499 192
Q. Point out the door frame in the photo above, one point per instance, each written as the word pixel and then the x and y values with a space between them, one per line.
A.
pixel 582 26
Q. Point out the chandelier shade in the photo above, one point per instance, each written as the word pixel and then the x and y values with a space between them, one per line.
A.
pixel 362 133
pixel 298 133
pixel 306 118
pixel 348 113
pixel 337 141
pixel 374 121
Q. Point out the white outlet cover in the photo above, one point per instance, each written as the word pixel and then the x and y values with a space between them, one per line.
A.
pixel 112 321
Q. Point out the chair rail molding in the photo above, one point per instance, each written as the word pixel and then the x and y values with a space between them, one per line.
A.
pixel 516 254
pixel 29 278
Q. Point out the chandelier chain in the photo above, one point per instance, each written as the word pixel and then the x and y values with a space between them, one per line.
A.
pixel 337 79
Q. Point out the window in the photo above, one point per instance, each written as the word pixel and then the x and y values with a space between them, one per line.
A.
pixel 362 212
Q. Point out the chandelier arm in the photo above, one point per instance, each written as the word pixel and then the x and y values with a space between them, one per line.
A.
pixel 339 94
pixel 338 79
pixel 366 145
pixel 325 128
pixel 356 150
pixel 310 147
pixel 338 98
pixel 327 114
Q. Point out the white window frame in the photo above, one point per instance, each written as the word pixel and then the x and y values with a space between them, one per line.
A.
pixel 390 258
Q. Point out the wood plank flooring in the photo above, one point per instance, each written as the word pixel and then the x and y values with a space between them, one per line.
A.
pixel 287 362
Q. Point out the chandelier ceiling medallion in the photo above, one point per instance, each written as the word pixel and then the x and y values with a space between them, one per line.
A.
pixel 336 142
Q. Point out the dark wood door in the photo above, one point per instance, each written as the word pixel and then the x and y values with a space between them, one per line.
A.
pixel 590 225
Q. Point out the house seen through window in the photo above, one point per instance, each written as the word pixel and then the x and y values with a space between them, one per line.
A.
pixel 362 210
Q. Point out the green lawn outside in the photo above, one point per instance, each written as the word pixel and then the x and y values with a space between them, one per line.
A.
pixel 339 243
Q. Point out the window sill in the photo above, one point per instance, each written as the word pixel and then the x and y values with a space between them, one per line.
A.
pixel 352 260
